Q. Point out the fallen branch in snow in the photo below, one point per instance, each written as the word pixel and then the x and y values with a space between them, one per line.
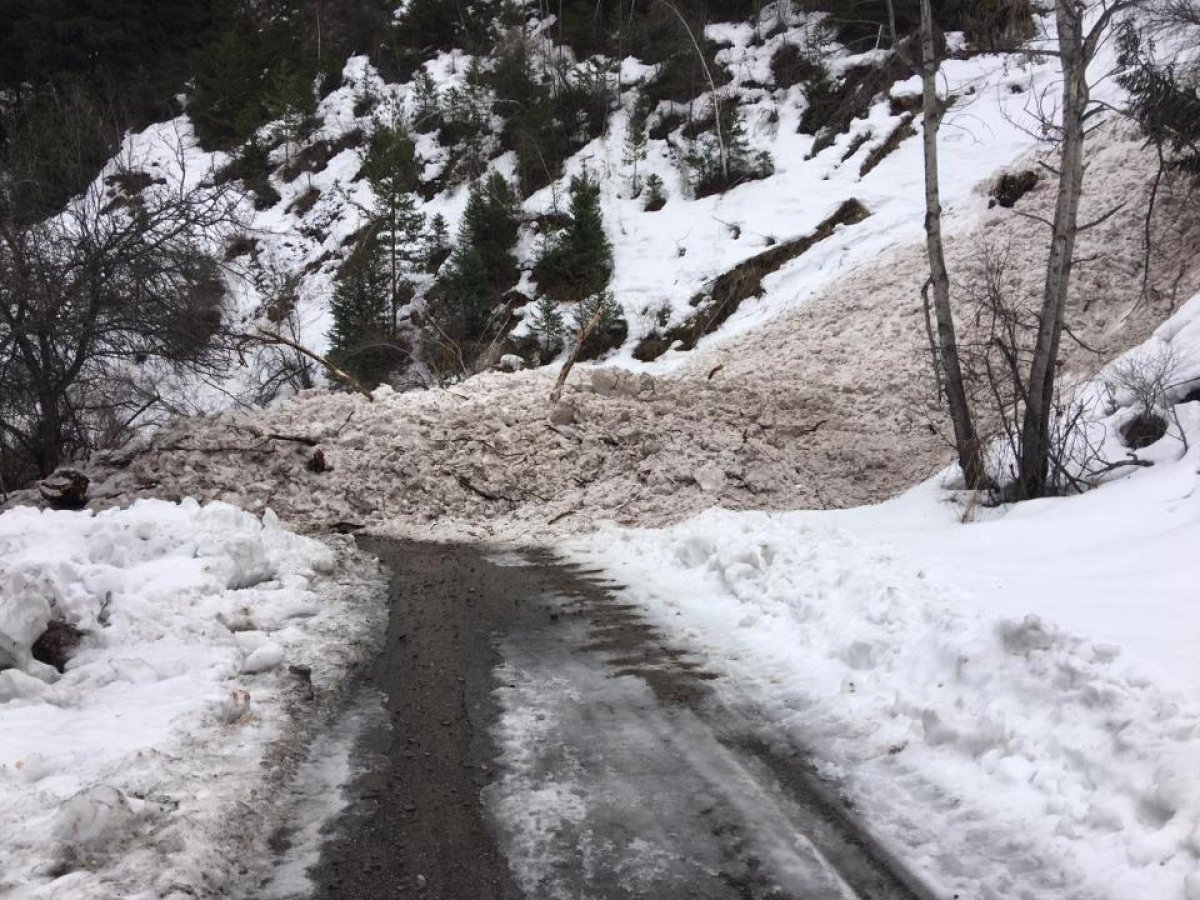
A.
pixel 293 438
pixel 1122 463
pixel 218 448
pixel 466 482
pixel 713 371
pixel 556 394
pixel 270 337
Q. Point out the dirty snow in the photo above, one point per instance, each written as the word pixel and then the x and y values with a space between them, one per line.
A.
pixel 826 405
pixel 154 765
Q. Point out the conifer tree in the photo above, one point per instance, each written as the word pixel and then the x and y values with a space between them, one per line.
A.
pixel 490 228
pixel 290 100
pixel 546 323
pixel 579 263
pixel 397 229
pixel 437 244
pixel 481 267
pixel 636 141
pixel 714 171
pixel 361 340
pixel 427 102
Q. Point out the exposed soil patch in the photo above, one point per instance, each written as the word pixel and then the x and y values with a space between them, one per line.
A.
pixel 741 282
pixel 902 132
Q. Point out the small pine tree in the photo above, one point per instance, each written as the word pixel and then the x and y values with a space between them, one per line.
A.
pixel 716 168
pixel 579 263
pixel 599 325
pixel 547 325
pixel 462 299
pixel 636 141
pixel 361 340
pixel 489 226
pixel 291 101
pixel 482 266
pixel 600 306
pixel 656 195
pixel 437 244
pixel 467 125
pixel 426 103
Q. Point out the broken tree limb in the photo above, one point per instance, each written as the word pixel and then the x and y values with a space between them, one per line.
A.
pixel 271 337
pixel 556 394
pixel 466 482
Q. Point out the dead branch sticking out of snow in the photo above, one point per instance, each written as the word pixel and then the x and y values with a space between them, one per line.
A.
pixel 271 338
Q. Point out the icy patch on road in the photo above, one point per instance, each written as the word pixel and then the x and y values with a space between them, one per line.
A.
pixel 153 765
pixel 606 792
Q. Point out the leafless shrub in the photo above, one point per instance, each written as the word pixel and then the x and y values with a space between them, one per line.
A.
pixel 99 299
pixel 1144 383
pixel 999 329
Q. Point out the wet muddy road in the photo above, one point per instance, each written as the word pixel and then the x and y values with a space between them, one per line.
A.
pixel 541 741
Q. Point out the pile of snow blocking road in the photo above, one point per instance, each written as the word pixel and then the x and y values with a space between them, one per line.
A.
pixel 1013 704
pixel 214 643
pixel 492 458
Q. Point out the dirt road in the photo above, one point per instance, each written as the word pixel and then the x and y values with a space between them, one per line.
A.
pixel 544 742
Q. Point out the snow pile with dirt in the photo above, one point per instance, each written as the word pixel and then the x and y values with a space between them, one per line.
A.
pixel 826 405
pixel 1012 703
pixel 211 643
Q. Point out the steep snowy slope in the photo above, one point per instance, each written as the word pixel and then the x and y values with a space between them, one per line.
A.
pixel 663 260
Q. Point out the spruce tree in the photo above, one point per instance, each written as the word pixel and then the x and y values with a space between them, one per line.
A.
pixel 482 266
pixel 656 194
pixel 636 141
pixel 437 244
pixel 361 340
pixel 579 263
pixel 546 324
pixel 290 100
pixel 397 229
pixel 427 102
pixel 490 227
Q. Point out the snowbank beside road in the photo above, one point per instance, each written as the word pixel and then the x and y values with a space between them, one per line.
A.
pixel 137 770
pixel 1014 703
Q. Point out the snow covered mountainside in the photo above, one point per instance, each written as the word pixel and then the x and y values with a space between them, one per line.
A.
pixel 1009 696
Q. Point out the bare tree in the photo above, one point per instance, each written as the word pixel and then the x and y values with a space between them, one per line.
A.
pixel 966 438
pixel 1082 27
pixel 97 298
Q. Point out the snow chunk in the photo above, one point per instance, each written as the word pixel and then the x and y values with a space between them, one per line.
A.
pixel 264 659
pixel 94 817
pixel 25 609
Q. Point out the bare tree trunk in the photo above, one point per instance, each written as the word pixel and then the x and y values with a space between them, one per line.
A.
pixel 1033 471
pixel 966 439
